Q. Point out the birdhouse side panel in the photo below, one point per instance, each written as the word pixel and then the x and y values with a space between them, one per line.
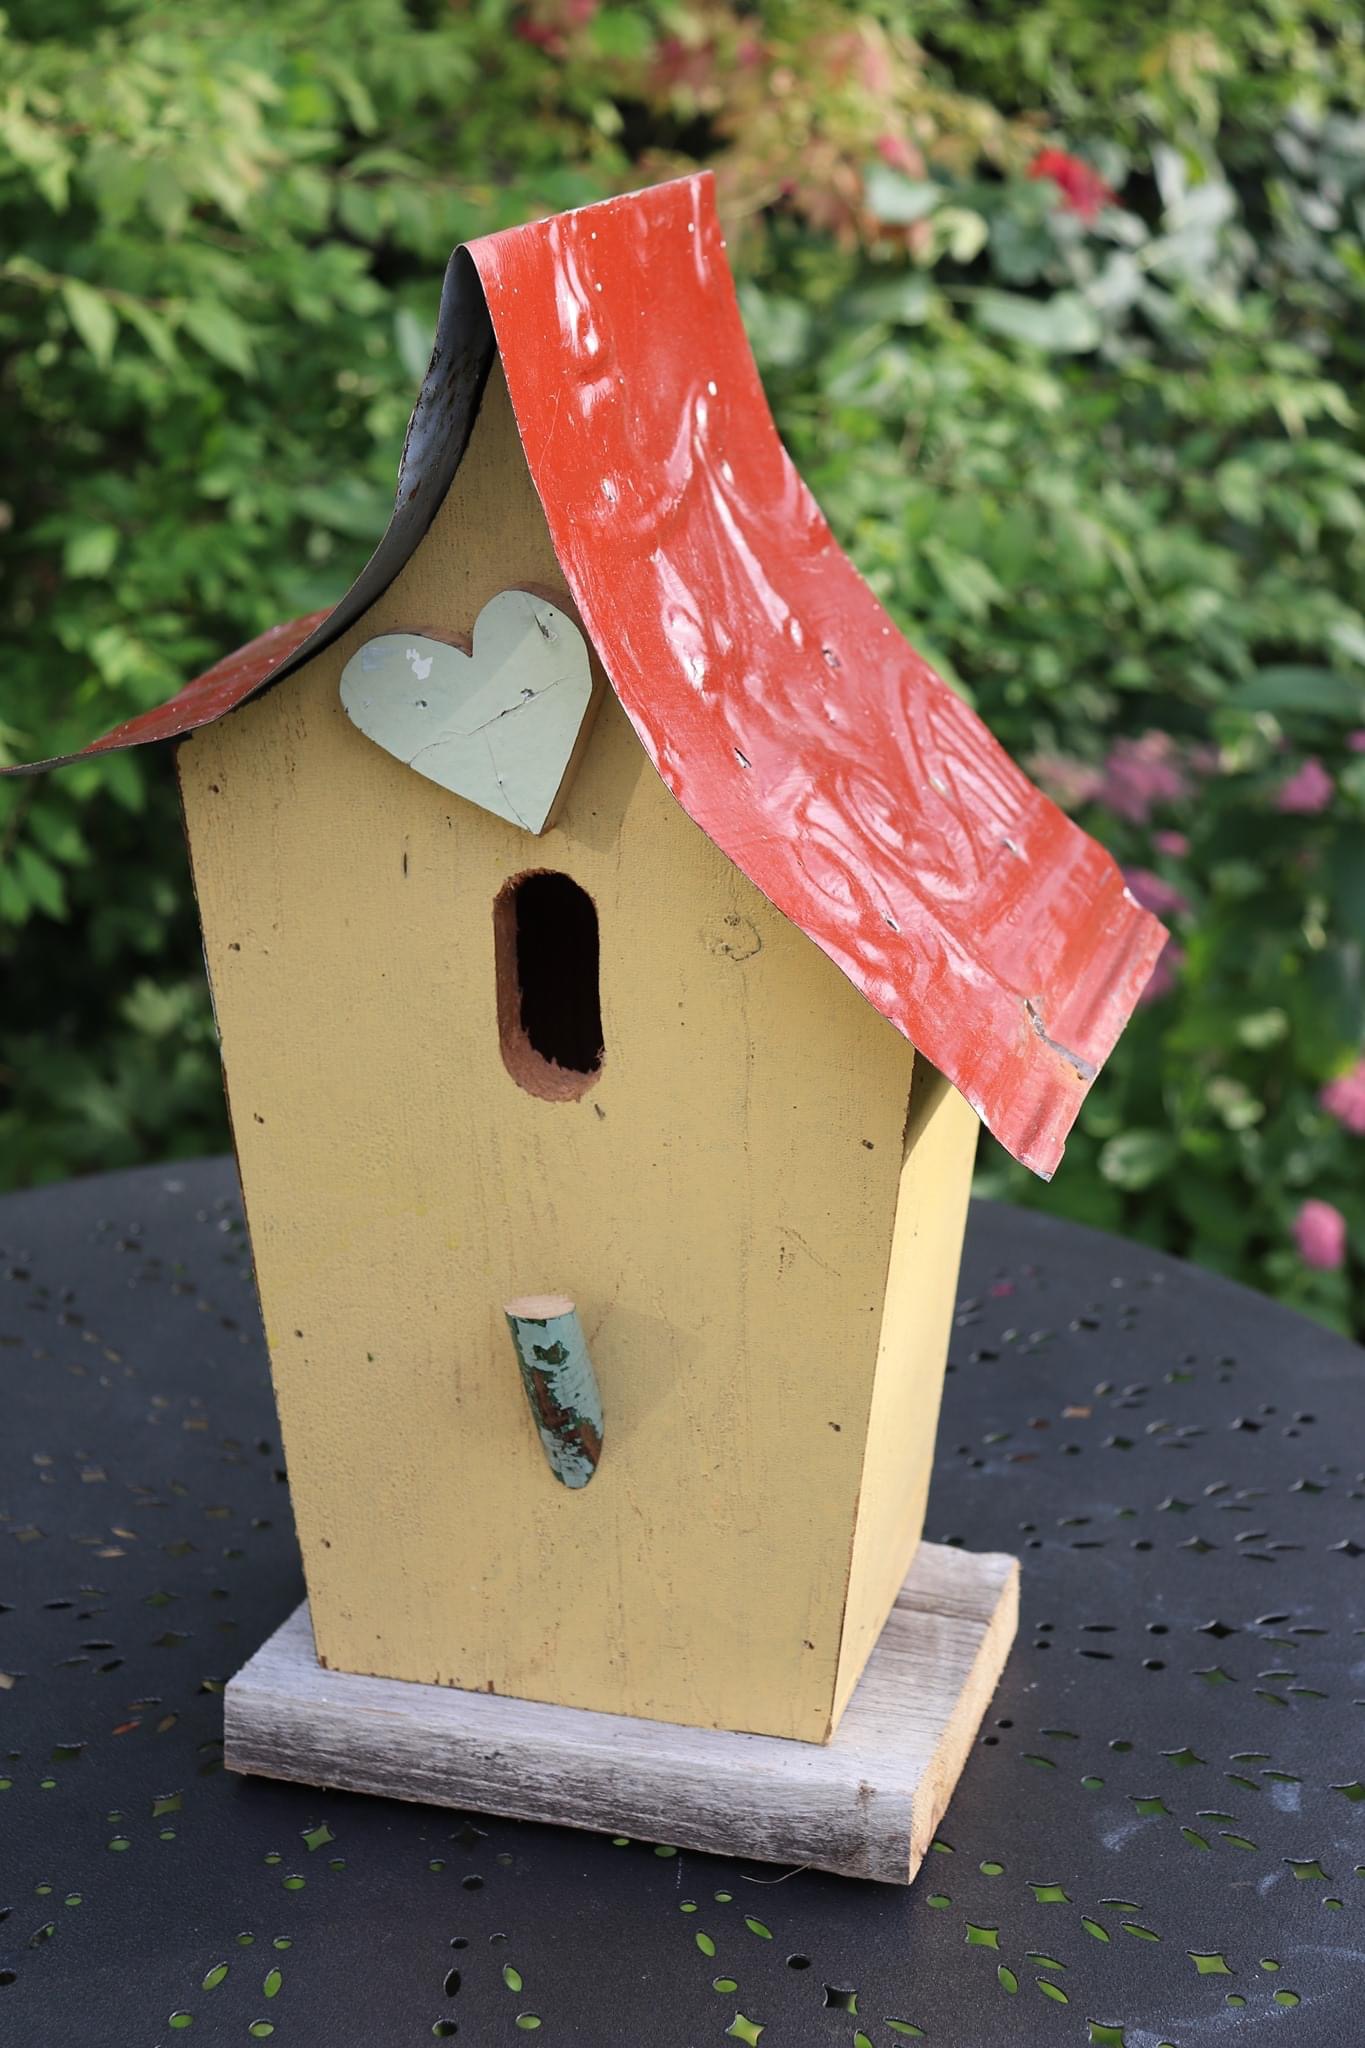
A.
pixel 941 1137
pixel 718 1201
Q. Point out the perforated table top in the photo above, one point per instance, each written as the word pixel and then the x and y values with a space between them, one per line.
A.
pixel 1160 1836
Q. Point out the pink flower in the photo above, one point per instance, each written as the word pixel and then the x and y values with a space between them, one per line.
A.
pixel 896 151
pixel 1355 741
pixel 1082 188
pixel 1175 844
pixel 1067 781
pixel 1344 1099
pixel 1140 774
pixel 1309 789
pixel 1163 899
pixel 1320 1234
pixel 1163 976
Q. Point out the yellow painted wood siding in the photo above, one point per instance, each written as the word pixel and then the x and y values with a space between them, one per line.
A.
pixel 720 1204
pixel 940 1145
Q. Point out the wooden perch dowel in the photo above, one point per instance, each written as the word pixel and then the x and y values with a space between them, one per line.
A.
pixel 560 1384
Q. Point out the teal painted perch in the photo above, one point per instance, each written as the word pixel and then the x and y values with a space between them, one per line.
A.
pixel 560 1384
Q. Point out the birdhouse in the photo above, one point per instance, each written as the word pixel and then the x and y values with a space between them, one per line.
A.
pixel 616 932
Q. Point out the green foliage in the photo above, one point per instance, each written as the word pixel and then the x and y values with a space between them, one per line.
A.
pixel 1089 432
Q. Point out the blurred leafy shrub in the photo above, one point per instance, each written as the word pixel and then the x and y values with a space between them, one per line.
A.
pixel 1061 318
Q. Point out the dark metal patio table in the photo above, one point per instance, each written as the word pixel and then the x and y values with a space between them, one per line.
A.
pixel 1159 1838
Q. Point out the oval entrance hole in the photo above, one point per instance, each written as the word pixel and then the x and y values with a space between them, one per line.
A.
pixel 549 1006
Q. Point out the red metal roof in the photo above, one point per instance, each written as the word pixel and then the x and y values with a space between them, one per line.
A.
pixel 218 690
pixel 772 692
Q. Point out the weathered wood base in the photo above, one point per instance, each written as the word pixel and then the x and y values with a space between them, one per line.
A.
pixel 865 1804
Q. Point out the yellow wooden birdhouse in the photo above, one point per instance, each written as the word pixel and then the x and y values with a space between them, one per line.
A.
pixel 609 915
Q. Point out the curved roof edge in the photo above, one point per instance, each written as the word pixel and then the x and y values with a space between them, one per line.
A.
pixel 433 448
pixel 772 692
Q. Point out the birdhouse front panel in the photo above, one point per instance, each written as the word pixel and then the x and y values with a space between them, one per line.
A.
pixel 715 1184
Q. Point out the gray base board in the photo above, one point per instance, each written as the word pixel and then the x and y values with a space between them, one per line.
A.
pixel 865 1804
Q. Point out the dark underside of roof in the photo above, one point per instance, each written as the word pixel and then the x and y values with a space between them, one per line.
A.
pixel 438 434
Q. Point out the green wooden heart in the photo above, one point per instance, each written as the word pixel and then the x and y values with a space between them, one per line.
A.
pixel 497 726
